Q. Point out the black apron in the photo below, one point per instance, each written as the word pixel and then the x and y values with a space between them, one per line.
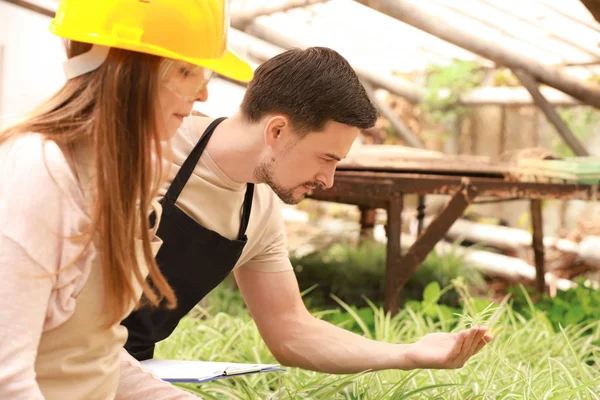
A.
pixel 194 260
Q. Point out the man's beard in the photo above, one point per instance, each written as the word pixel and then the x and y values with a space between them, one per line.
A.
pixel 264 174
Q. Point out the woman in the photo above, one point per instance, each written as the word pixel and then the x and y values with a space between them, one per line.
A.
pixel 78 179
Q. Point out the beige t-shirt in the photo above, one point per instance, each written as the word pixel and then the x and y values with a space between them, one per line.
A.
pixel 215 201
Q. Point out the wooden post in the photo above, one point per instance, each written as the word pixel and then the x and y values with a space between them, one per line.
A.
pixel 393 267
pixel 408 12
pixel 563 130
pixel 538 244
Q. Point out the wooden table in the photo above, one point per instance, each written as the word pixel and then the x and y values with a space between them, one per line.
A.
pixel 379 176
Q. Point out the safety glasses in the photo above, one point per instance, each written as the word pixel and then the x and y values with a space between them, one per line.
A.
pixel 185 80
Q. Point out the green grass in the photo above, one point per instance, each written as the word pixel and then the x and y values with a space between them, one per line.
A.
pixel 527 360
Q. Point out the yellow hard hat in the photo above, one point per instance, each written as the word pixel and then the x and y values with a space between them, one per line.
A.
pixel 194 31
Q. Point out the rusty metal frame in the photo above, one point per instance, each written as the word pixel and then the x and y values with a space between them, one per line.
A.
pixel 394 269
pixel 538 244
pixel 376 189
pixel 410 262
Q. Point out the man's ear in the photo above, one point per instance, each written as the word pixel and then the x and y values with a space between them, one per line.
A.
pixel 276 131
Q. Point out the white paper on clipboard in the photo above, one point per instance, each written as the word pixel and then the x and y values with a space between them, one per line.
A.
pixel 203 371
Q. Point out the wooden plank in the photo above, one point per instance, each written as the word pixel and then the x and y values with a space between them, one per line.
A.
pixel 403 158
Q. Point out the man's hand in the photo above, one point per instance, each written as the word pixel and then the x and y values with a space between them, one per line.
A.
pixel 447 350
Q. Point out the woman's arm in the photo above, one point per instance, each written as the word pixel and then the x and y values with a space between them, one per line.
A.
pixel 136 382
pixel 24 296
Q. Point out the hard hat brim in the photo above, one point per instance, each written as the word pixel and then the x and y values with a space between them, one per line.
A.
pixel 229 64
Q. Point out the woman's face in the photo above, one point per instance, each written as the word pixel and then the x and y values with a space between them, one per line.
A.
pixel 181 84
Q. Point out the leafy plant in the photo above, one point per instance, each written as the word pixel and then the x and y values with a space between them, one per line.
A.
pixel 445 85
pixel 527 359
pixel 568 308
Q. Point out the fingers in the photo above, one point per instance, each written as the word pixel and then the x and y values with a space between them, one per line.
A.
pixel 469 343
pixel 478 340
pixel 485 340
pixel 459 346
pixel 474 340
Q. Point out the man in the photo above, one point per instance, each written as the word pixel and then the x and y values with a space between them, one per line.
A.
pixel 299 117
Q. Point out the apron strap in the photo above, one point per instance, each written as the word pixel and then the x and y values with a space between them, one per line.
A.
pixel 247 209
pixel 190 163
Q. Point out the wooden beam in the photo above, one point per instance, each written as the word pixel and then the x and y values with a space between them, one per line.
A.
pixel 397 86
pixel 242 19
pixel 401 129
pixel 254 47
pixel 531 85
pixel 33 7
pixel 411 14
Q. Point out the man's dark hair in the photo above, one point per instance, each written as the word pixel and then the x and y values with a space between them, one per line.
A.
pixel 311 87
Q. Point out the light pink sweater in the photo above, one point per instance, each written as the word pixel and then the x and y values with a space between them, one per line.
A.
pixel 41 201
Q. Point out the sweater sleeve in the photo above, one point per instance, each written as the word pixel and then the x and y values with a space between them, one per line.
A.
pixel 136 382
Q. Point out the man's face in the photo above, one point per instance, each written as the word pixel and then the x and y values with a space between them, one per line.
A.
pixel 302 164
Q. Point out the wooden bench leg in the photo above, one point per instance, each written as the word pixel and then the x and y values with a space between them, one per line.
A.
pixel 538 245
pixel 393 267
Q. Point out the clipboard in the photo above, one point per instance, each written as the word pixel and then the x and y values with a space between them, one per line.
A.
pixel 203 371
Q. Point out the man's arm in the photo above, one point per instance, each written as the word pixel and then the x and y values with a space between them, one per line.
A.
pixel 297 339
